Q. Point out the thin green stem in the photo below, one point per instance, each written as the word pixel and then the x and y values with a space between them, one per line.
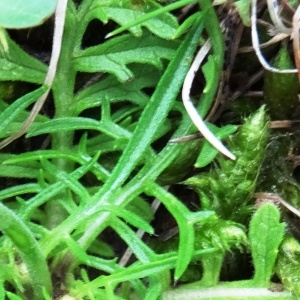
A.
pixel 63 90
pixel 63 93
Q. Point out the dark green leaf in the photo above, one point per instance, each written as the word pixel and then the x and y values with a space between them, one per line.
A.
pixel 9 114
pixel 110 89
pixel 16 64
pixel 73 123
pixel 126 11
pixel 114 55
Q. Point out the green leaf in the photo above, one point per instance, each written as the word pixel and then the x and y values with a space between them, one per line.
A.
pixel 16 64
pixel 126 11
pixel 101 249
pixel 17 14
pixel 210 73
pixel 243 8
pixel 281 89
pixel 186 24
pixel 161 263
pixel 137 246
pixel 129 218
pixel 73 184
pixel 12 296
pixel 153 116
pixel 12 111
pixel 52 190
pixel 157 109
pixel 265 236
pixel 114 55
pixel 30 251
pixel 18 172
pixel 110 89
pixel 27 188
pixel 80 158
pixel 19 118
pixel 73 123
pixel 141 208
pixel 186 226
pixel 288 265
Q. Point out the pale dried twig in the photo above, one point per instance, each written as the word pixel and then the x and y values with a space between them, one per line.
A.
pixel 190 108
pixel 265 197
pixel 274 11
pixel 275 39
pixel 255 39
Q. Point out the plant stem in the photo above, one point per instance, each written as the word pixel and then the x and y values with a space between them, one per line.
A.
pixel 63 93
pixel 63 90
pixel 211 269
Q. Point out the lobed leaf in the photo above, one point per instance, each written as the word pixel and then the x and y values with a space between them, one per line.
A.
pixel 114 55
pixel 80 158
pixel 110 89
pixel 73 123
pixel 126 11
pixel 129 217
pixel 153 116
pixel 160 263
pixel 137 246
pixel 12 111
pixel 73 184
pixel 16 64
pixel 52 190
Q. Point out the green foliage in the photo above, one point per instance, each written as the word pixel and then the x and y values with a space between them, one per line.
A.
pixel 114 55
pixel 228 189
pixel 243 7
pixel 281 90
pixel 130 13
pixel 110 153
pixel 264 246
pixel 265 236
pixel 71 212
pixel 287 266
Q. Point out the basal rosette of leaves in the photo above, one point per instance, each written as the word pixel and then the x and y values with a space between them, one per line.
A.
pixel 109 144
